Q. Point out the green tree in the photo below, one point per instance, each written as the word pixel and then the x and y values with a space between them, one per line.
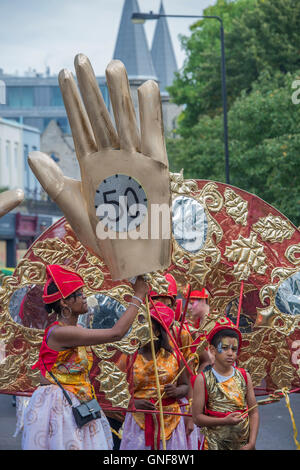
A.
pixel 264 138
pixel 259 35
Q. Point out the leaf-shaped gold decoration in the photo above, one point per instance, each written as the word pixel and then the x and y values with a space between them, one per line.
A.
pixel 256 365
pixel 281 371
pixel 273 229
pixel 248 254
pixel 236 207
pixel 114 384
pixel 54 251
pixel 181 186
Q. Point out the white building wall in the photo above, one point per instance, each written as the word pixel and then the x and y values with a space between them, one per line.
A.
pixel 11 162
pixel 13 138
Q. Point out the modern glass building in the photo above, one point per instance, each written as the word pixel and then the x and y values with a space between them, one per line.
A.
pixel 36 100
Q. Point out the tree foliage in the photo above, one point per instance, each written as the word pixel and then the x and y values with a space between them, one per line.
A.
pixel 259 35
pixel 263 61
pixel 264 145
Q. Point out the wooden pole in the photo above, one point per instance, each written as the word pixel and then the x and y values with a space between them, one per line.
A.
pixel 161 416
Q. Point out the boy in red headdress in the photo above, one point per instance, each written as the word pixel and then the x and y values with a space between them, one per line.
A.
pixel 224 393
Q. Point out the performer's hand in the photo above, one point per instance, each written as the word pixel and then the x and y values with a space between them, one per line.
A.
pixel 232 418
pixel 9 200
pixel 140 287
pixel 189 425
pixel 142 404
pixel 103 153
pixel 249 446
pixel 170 390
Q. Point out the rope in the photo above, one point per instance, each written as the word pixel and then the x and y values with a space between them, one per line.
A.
pixel 285 392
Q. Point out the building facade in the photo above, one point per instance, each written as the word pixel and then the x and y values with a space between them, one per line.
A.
pixel 33 117
pixel 19 228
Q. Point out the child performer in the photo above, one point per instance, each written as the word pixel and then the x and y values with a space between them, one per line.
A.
pixel 223 394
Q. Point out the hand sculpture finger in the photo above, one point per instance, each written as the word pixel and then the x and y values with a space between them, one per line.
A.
pixel 122 105
pixel 151 122
pixel 114 164
pixel 66 193
pixel 10 199
pixel 82 132
pixel 104 131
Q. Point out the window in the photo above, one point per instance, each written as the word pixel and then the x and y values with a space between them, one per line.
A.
pixel 20 97
pixel 56 97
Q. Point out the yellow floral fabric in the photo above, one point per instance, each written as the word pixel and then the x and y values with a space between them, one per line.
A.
pixel 72 368
pixel 145 386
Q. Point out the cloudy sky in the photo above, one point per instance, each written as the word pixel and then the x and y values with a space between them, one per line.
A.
pixel 39 33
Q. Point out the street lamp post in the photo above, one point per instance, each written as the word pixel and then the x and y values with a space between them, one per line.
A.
pixel 142 17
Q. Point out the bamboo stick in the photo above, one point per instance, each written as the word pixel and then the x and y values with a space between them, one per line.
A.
pixel 176 378
pixel 161 416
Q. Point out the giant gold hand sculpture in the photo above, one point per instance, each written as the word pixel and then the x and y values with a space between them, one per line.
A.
pixel 9 200
pixel 114 163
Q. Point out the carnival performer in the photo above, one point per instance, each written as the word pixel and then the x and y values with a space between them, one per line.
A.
pixel 142 430
pixel 49 423
pixel 182 336
pixel 224 394
pixel 198 309
pixel 184 341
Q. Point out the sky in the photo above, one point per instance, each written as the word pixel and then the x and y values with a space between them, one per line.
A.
pixel 35 34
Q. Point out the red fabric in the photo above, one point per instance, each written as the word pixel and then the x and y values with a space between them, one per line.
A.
pixel 193 380
pixel 178 309
pixel 150 424
pixel 21 311
pixel 47 355
pixel 66 280
pixel 172 289
pixel 199 294
pixel 161 311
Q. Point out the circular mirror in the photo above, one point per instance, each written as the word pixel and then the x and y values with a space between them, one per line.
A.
pixel 287 298
pixel 27 308
pixel 189 224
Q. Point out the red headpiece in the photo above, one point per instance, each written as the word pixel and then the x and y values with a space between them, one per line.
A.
pixel 162 312
pixel 224 323
pixel 178 309
pixel 172 288
pixel 66 280
pixel 199 294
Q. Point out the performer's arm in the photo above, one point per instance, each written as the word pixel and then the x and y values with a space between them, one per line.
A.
pixel 253 415
pixel 72 336
pixel 200 419
pixel 179 389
